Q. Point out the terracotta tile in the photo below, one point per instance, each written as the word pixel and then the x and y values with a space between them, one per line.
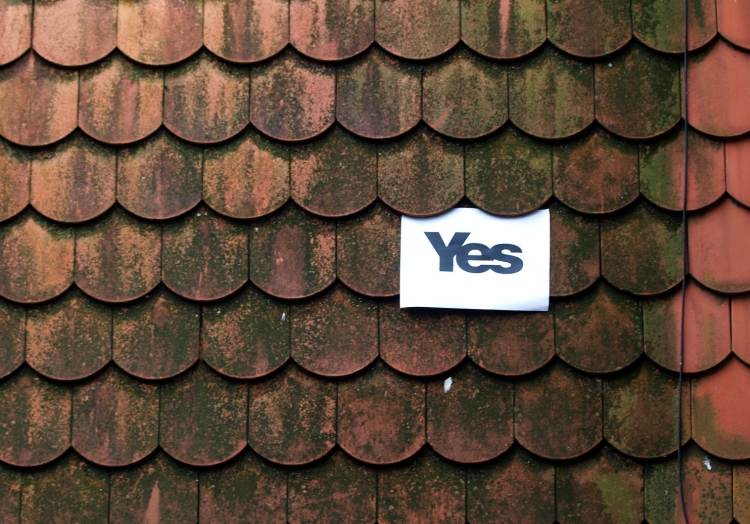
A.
pixel 599 331
pixel 464 95
pixel 558 412
pixel 159 32
pixel 421 175
pixel 156 490
pixel 203 417
pixel 13 335
pixel 10 494
pixel 75 32
pixel 534 109
pixel 661 24
pixel 247 335
pixel 336 333
pixel 204 255
pixel 34 419
pixel 738 169
pixel 629 260
pixel 509 343
pixel 588 29
pixel 662 170
pixel 740 327
pixel 293 254
pixel 39 103
pixel 707 328
pixel 606 487
pixel 596 172
pixel 292 417
pixel 638 93
pixel 206 100
pixel 378 96
pixel 741 492
pixel 367 249
pixel 734 19
pixel 501 29
pixel 15 172
pixel 335 175
pixel 73 182
pixel 245 30
pixel 336 489
pixel 640 411
pixel 417 29
pixel 332 29
pixel 69 338
pixel 292 98
pixel 381 415
pixel 721 410
pixel 37 259
pixel 719 80
pixel 246 489
pixel 159 178
pixel 71 490
pixel 115 419
pixel 15 31
pixel 575 259
pixel 469 415
pixel 157 337
pixel 120 101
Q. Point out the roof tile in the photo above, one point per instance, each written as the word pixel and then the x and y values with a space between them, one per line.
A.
pixel 661 24
pixel 332 29
pixel 417 29
pixel 15 173
pixel 10 494
pixel 734 19
pixel 15 33
pixel 588 29
pixel 292 417
pixel 741 492
pixel 738 169
pixel 740 327
pixel 575 259
pixel 13 335
pixel 501 29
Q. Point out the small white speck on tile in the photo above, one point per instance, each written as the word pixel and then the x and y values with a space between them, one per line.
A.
pixel 707 463
pixel 198 214
pixel 283 317
pixel 447 384
pixel 256 229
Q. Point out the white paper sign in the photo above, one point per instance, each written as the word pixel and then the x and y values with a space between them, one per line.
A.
pixel 468 259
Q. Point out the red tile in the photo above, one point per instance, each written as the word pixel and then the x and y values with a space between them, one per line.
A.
pixel 159 178
pixel 558 412
pixel 120 101
pixel 39 103
pixel 75 181
pixel 719 246
pixel 599 331
pixel 719 80
pixel 69 338
pixel 206 100
pixel 707 329
pixel 247 177
pixel 13 335
pixel 469 415
pixel 245 30
pixel 421 342
pixel 629 260
pixel 336 333
pixel 661 25
pixel 34 419
pixel 204 255
pixel 203 417
pixel 605 487
pixel 159 32
pixel 575 259
pixel 332 29
pixel 292 417
pixel 534 109
pixel 115 419
pixel 336 489
pixel 246 336
pixel 596 173
pixel 247 489
pixel 741 327
pixel 421 175
pixel 293 254
pixel 417 29
pixel 464 95
pixel 381 416
pixel 10 494
pixel 500 29
pixel 509 343
pixel 15 172
pixel 738 169
pixel 75 32
pixel 367 249
pixel 589 29
pixel 638 93
pixel 158 337
pixel 15 34
pixel 640 411
pixel 721 410
pixel 516 488
pixel 425 490
pixel 741 492
pixel 292 98
pixel 734 19
pixel 378 96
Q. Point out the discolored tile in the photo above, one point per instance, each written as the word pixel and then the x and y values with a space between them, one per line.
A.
pixel 733 20
pixel 332 29
pixel 741 492
pixel 737 158
pixel 661 24
pixel 500 29
pixel 741 327
pixel 15 33
pixel 417 29
pixel 115 419
pixel 575 258
pixel 292 417
pixel 13 336
pixel 588 29
pixel 15 173
pixel 10 494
